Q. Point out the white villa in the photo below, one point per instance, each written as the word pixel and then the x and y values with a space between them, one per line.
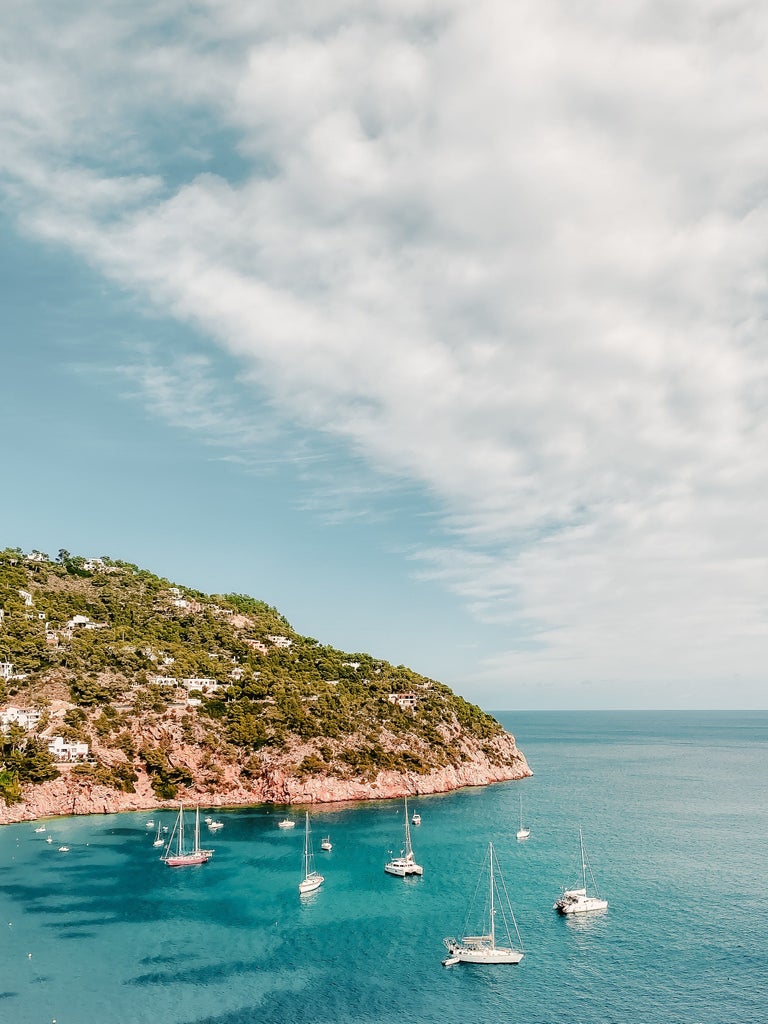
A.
pixel 26 718
pixel 68 750
pixel 280 641
pixel 203 683
pixel 407 699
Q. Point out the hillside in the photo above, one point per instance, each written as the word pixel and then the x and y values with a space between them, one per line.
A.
pixel 120 689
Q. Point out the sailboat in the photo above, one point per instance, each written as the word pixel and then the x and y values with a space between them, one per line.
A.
pixel 484 949
pixel 159 841
pixel 405 863
pixel 182 858
pixel 312 879
pixel 576 901
pixel 522 832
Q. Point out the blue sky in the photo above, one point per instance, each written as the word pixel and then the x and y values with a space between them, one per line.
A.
pixel 439 325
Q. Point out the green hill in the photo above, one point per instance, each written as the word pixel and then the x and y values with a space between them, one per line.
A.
pixel 204 691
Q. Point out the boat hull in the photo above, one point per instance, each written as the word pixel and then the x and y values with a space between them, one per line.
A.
pixel 579 904
pixel 464 954
pixel 311 883
pixel 401 868
pixel 523 833
pixel 187 860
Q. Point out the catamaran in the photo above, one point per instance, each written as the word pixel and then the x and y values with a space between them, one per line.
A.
pixel 576 901
pixel 312 879
pixel 483 949
pixel 182 858
pixel 522 832
pixel 405 864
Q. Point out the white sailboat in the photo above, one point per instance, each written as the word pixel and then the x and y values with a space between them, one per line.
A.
pixel 405 864
pixel 326 843
pixel 312 879
pixel 522 832
pixel 577 901
pixel 182 858
pixel 159 840
pixel 483 948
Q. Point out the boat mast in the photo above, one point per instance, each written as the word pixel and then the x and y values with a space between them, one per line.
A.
pixel 408 849
pixel 306 845
pixel 493 911
pixel 197 830
pixel 181 829
pixel 583 860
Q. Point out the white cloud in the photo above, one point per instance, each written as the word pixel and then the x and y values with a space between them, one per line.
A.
pixel 512 253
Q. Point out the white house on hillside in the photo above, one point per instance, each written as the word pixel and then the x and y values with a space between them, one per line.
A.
pixel 25 718
pixel 68 750
pixel 280 641
pixel 404 700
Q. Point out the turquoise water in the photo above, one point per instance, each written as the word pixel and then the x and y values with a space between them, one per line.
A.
pixel 675 819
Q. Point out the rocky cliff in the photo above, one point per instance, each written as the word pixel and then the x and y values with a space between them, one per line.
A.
pixel 276 783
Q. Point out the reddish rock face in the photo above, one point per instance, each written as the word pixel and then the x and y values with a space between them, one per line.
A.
pixel 276 783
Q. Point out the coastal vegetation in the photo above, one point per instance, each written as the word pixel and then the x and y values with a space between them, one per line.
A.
pixel 187 689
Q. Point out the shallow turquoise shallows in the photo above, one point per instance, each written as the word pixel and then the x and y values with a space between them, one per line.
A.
pixel 675 818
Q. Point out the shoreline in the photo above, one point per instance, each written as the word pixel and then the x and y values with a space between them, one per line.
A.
pixel 70 796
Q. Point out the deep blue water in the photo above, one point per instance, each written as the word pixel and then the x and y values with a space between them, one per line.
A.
pixel 675 818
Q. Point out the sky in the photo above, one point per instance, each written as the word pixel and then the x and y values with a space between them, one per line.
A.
pixel 437 324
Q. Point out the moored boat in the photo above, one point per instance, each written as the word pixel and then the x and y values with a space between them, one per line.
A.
pixel 483 948
pixel 405 864
pixel 579 901
pixel 312 879
pixel 178 856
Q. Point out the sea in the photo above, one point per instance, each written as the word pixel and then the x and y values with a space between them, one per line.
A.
pixel 674 812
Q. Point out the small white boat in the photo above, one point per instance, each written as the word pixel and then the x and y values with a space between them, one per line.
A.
pixel 577 901
pixel 312 879
pixel 286 823
pixel 326 843
pixel 159 841
pixel 63 849
pixel 150 823
pixel 40 829
pixel 207 820
pixel 214 826
pixel 405 864
pixel 497 914
pixel 416 819
pixel 49 839
pixel 522 832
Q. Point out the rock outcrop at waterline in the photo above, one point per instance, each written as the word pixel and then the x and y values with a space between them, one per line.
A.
pixel 75 794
